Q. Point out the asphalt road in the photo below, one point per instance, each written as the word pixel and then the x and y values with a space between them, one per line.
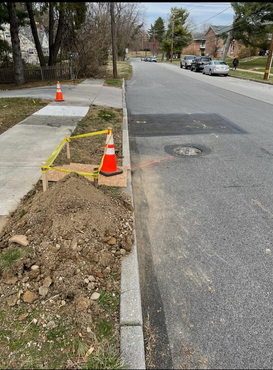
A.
pixel 204 221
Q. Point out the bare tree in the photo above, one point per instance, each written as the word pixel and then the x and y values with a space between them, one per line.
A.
pixel 129 23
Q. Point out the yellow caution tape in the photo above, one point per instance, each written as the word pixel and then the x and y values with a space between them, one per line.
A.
pixel 47 166
pixel 90 134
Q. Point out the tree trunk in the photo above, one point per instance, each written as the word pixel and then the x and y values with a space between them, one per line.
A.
pixel 55 46
pixel 50 25
pixel 227 44
pixel 113 30
pixel 35 35
pixel 16 51
pixel 229 39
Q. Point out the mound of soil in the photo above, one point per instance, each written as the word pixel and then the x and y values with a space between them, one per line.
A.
pixel 63 248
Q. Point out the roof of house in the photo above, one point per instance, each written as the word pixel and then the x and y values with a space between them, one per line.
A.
pixel 218 30
pixel 199 36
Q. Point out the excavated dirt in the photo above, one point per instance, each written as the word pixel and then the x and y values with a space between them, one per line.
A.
pixel 60 260
pixel 71 240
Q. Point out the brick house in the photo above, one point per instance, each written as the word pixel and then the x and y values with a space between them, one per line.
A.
pixel 215 42
pixel 211 43
pixel 27 44
pixel 197 46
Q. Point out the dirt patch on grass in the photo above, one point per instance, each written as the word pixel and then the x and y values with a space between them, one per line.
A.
pixel 60 264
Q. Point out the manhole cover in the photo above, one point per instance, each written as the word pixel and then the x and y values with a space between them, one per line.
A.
pixel 187 150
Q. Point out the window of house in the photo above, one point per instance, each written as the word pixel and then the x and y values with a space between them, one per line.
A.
pixel 7 35
pixel 31 51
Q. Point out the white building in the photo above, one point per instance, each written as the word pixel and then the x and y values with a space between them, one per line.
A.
pixel 27 44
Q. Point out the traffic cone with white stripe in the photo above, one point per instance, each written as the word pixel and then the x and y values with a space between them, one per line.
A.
pixel 109 165
pixel 59 94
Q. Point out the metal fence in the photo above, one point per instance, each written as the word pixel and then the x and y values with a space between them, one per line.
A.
pixel 53 73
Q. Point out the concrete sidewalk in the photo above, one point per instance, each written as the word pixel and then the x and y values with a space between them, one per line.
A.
pixel 26 145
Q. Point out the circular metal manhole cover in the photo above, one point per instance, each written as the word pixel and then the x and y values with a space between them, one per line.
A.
pixel 187 150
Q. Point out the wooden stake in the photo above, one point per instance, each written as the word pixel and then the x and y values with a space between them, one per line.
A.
pixel 96 183
pixel 44 178
pixel 67 148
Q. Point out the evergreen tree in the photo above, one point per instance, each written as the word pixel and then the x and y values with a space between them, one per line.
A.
pixel 157 30
pixel 251 25
pixel 178 31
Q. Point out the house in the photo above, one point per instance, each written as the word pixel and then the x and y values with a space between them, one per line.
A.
pixel 27 44
pixel 212 43
pixel 215 41
pixel 197 46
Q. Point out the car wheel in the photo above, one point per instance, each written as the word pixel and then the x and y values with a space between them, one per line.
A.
pixel 195 70
pixel 203 72
pixel 225 75
pixel 191 68
pixel 210 73
pixel 181 65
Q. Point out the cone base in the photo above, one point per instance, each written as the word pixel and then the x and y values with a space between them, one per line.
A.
pixel 119 171
pixel 59 98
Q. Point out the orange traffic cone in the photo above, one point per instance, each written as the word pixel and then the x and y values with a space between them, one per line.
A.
pixel 59 94
pixel 109 165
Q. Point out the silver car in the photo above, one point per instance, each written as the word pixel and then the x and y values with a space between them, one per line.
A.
pixel 216 67
pixel 186 61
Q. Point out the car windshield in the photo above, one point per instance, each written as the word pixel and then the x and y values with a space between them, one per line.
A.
pixel 219 62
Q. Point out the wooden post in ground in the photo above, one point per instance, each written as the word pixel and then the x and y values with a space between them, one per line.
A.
pixel 67 148
pixel 44 177
pixel 96 184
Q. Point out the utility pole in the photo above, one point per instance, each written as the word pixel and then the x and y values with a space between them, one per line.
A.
pixel 269 60
pixel 154 42
pixel 172 37
pixel 113 30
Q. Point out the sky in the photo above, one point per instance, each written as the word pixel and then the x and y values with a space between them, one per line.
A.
pixel 220 14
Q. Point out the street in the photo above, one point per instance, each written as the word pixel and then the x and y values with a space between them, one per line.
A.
pixel 201 158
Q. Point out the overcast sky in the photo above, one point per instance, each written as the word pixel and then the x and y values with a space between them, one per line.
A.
pixel 220 14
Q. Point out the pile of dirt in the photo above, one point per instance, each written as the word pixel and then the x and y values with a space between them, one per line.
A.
pixel 62 249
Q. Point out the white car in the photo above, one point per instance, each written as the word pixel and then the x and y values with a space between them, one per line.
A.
pixel 153 59
pixel 216 67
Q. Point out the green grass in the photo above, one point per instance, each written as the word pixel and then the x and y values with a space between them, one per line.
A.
pixel 106 115
pixel 109 302
pixel 9 257
pixel 14 110
pixel 104 360
pixel 124 70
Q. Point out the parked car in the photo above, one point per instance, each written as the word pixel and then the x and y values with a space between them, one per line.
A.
pixel 198 63
pixel 216 67
pixel 153 59
pixel 186 61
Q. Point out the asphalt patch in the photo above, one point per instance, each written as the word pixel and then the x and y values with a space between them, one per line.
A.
pixel 181 124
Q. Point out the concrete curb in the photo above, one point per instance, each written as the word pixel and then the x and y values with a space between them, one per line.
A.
pixel 131 323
